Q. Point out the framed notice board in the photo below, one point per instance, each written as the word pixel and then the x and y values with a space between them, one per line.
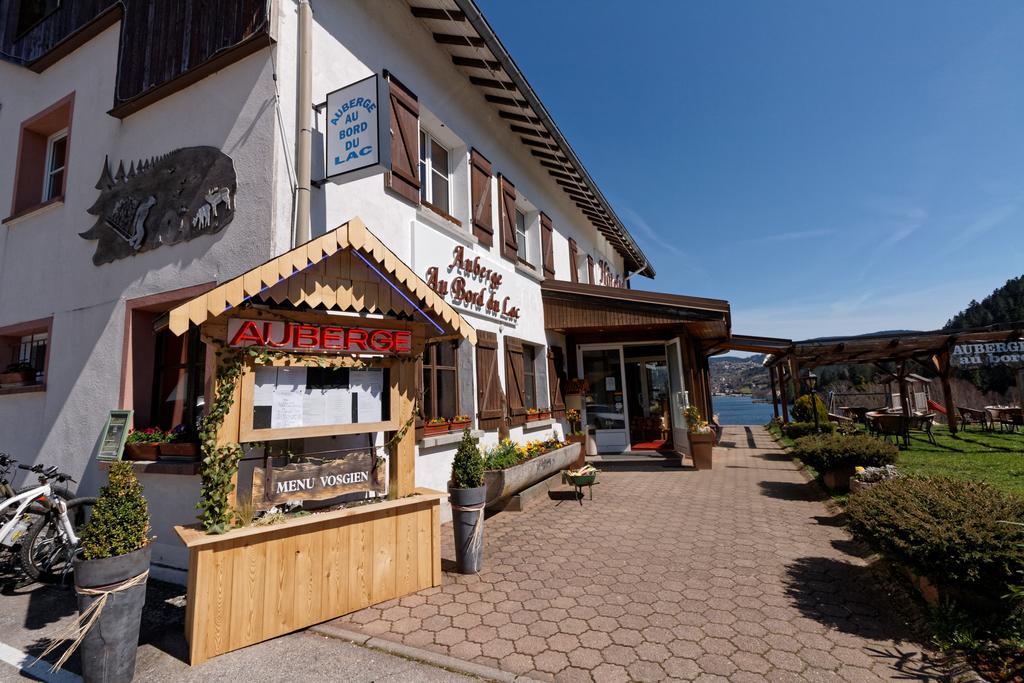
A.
pixel 114 434
pixel 288 401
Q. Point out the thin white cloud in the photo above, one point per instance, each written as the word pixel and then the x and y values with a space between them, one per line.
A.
pixel 634 220
pixel 789 236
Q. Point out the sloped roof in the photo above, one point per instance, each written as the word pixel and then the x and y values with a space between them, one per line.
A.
pixel 459 27
pixel 274 281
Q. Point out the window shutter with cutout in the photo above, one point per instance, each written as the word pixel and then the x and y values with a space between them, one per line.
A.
pixel 573 267
pixel 546 245
pixel 507 218
pixel 480 189
pixel 590 269
pixel 556 375
pixel 490 410
pixel 514 381
pixel 404 176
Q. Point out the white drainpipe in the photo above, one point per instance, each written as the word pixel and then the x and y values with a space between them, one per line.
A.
pixel 303 123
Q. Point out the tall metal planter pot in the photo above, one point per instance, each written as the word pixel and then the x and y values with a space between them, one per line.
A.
pixel 468 524
pixel 108 649
pixel 700 450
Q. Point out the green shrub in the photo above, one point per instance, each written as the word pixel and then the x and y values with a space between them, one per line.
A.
pixel 794 430
pixel 802 411
pixel 953 531
pixel 502 456
pixel 833 452
pixel 120 518
pixel 468 466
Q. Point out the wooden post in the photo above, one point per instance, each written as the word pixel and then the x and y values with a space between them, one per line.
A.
pixel 943 365
pixel 775 397
pixel 794 373
pixel 904 393
pixel 784 397
pixel 402 468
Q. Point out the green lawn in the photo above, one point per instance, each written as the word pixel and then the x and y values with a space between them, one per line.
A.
pixel 995 457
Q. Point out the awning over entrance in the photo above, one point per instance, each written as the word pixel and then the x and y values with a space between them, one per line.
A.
pixel 346 269
pixel 577 308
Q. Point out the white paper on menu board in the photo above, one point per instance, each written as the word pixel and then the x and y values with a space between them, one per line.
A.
pixel 338 406
pixel 263 391
pixel 314 407
pixel 367 387
pixel 288 398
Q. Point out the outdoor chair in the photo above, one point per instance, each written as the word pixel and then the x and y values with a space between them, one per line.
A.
pixel 896 426
pixel 1016 418
pixel 973 416
pixel 924 422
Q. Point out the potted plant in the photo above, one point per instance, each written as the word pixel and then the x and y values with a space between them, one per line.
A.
pixel 576 435
pixel 702 438
pixel 18 374
pixel 458 423
pixel 144 444
pixel 468 497
pixel 836 457
pixel 111 570
pixel 435 426
pixel 183 444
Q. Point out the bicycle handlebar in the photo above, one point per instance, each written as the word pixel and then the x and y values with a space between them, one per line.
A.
pixel 50 472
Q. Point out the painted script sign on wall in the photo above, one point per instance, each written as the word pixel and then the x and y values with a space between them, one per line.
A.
pixel 991 353
pixel 469 283
pixel 317 481
pixel 292 336
pixel 352 139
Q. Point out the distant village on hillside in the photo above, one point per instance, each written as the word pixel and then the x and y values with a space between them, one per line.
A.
pixel 735 375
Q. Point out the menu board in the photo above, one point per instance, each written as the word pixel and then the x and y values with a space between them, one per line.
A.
pixel 114 434
pixel 289 397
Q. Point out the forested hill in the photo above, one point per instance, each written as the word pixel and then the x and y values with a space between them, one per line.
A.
pixel 1004 305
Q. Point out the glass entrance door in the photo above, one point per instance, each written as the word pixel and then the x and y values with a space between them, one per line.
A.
pixel 677 397
pixel 605 407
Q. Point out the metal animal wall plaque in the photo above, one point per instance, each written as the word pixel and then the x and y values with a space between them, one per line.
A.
pixel 164 200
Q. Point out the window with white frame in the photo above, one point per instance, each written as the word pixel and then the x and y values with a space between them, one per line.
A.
pixel 56 160
pixel 435 173
pixel 523 236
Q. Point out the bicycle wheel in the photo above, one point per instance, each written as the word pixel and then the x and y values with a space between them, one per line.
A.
pixel 46 553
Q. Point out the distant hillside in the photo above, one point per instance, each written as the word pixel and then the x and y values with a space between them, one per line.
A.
pixel 734 375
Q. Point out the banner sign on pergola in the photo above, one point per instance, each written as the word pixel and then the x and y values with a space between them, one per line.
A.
pixel 987 355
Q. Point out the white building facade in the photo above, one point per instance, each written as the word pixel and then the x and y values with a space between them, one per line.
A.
pixel 178 164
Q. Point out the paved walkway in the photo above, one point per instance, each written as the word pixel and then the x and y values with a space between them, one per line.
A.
pixel 740 573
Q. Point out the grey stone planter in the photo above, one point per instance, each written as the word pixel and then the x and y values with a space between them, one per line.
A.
pixel 503 484
pixel 468 526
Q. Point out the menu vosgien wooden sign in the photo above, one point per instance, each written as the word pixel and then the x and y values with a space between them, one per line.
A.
pixel 310 481
pixel 293 336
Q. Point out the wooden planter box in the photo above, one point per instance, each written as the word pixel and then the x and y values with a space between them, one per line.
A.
pixel 143 452
pixel 252 584
pixel 838 480
pixel 701 449
pixel 435 429
pixel 19 378
pixel 503 484
pixel 458 426
pixel 183 450
pixel 536 417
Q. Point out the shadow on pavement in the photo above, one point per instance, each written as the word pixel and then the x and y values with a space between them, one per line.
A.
pixel 790 490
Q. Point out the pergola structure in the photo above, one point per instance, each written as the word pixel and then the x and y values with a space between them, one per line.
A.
pixel 931 349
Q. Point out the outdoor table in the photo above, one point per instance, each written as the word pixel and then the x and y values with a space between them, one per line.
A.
pixel 1008 417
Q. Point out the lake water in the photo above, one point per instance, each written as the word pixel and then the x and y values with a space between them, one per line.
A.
pixel 741 410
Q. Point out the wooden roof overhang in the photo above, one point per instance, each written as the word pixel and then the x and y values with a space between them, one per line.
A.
pixel 460 29
pixel 891 346
pixel 578 308
pixel 752 344
pixel 347 269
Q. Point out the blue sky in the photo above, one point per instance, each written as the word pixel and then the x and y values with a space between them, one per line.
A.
pixel 829 168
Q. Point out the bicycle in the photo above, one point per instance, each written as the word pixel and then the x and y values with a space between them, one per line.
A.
pixel 48 546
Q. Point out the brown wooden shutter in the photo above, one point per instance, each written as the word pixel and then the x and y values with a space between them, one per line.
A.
pixel 419 396
pixel 590 269
pixel 546 245
pixel 573 267
pixel 556 376
pixel 507 218
pixel 490 401
pixel 480 189
pixel 514 381
pixel 404 176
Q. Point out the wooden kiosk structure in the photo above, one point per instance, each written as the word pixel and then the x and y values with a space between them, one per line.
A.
pixel 341 303
pixel 933 350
